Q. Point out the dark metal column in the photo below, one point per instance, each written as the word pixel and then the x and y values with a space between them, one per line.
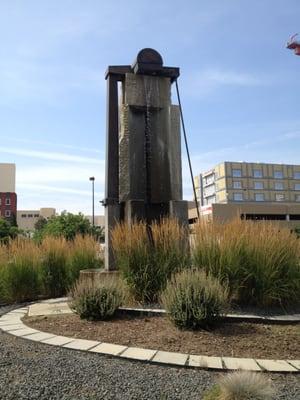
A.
pixel 111 202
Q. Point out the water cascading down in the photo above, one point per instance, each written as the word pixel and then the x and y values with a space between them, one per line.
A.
pixel 143 146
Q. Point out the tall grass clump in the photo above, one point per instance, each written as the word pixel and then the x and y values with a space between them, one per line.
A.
pixel 259 260
pixel 194 299
pixel 242 385
pixel 97 299
pixel 83 254
pixel 147 256
pixel 55 268
pixel 22 274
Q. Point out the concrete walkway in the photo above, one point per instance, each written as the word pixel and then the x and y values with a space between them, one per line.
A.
pixel 12 324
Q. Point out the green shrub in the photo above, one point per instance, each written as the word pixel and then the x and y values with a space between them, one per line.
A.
pixel 55 268
pixel 147 256
pixel 241 385
pixel 194 299
pixel 97 300
pixel 259 260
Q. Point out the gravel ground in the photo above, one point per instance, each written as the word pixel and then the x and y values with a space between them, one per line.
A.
pixel 31 370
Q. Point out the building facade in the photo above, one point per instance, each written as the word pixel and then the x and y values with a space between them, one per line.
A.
pixel 239 182
pixel 251 191
pixel 8 196
pixel 26 219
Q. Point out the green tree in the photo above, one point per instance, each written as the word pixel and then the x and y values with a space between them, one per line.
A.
pixel 4 229
pixel 67 225
pixel 40 223
pixel 8 230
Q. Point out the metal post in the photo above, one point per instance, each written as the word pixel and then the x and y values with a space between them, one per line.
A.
pixel 92 178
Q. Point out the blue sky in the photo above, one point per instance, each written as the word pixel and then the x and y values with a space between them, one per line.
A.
pixel 240 87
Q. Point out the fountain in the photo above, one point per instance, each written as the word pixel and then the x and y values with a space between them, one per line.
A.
pixel 143 146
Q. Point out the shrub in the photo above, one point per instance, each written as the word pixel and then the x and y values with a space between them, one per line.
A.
pixel 194 299
pixel 22 274
pixel 55 269
pixel 147 256
pixel 97 300
pixel 241 385
pixel 259 260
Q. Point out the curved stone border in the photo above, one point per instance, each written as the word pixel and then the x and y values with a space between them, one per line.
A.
pixel 12 323
pixel 275 319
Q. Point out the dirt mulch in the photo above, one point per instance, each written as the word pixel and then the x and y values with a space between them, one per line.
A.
pixel 228 339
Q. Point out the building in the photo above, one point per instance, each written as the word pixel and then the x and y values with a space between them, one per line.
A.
pixel 8 196
pixel 99 220
pixel 26 219
pixel 250 190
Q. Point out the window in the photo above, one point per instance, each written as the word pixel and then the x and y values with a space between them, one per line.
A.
pixel 237 184
pixel 279 197
pixel 297 197
pixel 257 173
pixel 278 186
pixel 297 186
pixel 258 185
pixel 259 197
pixel 238 196
pixel 278 175
pixel 29 215
pixel 7 202
pixel 7 213
pixel 296 175
pixel 237 173
pixel 23 216
pixel 36 215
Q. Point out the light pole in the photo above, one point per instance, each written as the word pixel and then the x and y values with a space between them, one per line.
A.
pixel 92 178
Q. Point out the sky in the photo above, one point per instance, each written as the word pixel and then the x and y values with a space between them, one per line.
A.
pixel 239 85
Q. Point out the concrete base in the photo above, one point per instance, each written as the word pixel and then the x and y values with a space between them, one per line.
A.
pixel 96 274
pixel 179 209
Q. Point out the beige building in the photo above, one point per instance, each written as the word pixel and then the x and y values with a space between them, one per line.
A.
pixel 257 191
pixel 239 182
pixel 26 219
pixel 99 220
pixel 7 178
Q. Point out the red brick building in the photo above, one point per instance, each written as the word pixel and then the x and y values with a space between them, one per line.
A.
pixel 8 205
pixel 8 197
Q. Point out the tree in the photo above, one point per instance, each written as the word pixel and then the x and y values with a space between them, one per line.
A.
pixel 7 230
pixel 4 229
pixel 67 225
pixel 40 223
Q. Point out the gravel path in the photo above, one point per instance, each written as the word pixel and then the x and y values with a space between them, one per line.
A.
pixel 31 370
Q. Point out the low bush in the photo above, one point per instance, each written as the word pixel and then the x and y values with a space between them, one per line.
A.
pixel 259 260
pixel 241 385
pixel 97 300
pixel 194 299
pixel 147 256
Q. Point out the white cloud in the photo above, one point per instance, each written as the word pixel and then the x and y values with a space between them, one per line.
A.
pixel 58 189
pixel 209 80
pixel 60 174
pixel 45 155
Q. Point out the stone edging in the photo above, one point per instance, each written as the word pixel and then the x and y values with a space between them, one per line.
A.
pixel 12 323
pixel 270 319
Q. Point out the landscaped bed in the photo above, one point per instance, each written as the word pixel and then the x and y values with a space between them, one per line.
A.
pixel 230 339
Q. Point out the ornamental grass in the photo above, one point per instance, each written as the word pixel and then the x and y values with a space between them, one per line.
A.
pixel 30 270
pixel 258 260
pixel 148 255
